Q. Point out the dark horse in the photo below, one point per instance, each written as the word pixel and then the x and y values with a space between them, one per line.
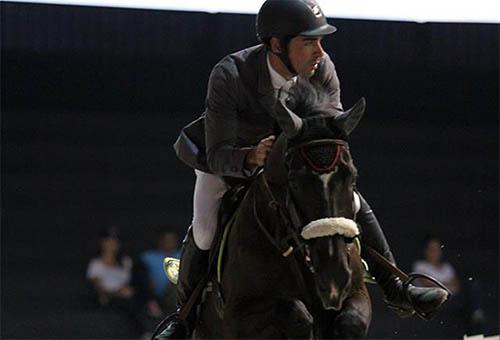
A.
pixel 291 268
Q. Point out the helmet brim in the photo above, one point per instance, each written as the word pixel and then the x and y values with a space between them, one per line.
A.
pixel 323 30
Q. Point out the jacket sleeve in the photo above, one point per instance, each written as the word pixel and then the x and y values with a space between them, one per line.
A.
pixel 328 79
pixel 224 157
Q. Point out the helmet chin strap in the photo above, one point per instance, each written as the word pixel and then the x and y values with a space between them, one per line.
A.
pixel 286 61
pixel 283 55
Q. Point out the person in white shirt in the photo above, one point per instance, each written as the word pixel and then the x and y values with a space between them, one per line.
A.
pixel 110 274
pixel 433 265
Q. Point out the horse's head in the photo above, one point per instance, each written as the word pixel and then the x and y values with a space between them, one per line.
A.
pixel 311 159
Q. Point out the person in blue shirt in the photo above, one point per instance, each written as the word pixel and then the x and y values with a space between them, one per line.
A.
pixel 161 288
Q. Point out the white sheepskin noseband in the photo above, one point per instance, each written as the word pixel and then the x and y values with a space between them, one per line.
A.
pixel 330 226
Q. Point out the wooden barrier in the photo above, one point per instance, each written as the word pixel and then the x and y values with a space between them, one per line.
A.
pixel 481 337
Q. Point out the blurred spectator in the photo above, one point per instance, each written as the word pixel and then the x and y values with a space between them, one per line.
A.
pixel 110 274
pixel 434 266
pixel 466 300
pixel 161 289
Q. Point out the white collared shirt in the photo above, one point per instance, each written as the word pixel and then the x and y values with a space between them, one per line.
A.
pixel 277 80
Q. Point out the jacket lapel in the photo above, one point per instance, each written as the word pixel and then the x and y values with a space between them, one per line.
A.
pixel 265 88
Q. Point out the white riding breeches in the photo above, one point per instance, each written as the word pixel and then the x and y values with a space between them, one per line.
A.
pixel 208 192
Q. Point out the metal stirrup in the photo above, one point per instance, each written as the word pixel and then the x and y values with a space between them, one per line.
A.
pixel 412 277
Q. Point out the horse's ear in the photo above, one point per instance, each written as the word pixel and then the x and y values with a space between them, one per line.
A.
pixel 349 119
pixel 289 122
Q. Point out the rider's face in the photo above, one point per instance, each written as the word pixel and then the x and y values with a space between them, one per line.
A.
pixel 305 54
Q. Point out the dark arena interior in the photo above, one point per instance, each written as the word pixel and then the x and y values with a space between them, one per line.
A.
pixel 93 98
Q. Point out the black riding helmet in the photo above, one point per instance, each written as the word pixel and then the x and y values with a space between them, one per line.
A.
pixel 285 19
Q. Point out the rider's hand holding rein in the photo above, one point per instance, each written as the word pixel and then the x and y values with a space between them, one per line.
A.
pixel 257 155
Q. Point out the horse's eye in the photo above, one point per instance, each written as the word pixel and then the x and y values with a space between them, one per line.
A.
pixel 348 239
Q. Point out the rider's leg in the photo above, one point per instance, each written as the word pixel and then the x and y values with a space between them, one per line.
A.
pixel 208 193
pixel 403 299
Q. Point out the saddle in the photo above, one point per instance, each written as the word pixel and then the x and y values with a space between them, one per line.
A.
pixel 230 203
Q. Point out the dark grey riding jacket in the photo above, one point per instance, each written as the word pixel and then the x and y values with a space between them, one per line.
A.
pixel 240 112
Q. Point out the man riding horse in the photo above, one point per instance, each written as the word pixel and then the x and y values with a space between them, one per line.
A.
pixel 238 129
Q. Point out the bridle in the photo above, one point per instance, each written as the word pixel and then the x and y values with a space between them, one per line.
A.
pixel 287 213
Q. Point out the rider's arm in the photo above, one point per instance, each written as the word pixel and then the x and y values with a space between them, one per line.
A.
pixel 224 157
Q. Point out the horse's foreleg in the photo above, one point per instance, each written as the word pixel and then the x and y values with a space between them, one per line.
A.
pixel 355 317
pixel 294 319
pixel 268 319
pixel 249 319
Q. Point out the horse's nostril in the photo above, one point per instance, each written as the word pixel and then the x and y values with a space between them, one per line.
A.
pixel 334 292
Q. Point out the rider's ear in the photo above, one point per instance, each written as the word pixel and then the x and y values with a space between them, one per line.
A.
pixel 275 45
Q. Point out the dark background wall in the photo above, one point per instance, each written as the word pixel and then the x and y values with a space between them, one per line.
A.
pixel 93 98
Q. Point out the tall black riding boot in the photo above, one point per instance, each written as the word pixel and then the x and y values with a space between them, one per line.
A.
pixel 193 267
pixel 404 299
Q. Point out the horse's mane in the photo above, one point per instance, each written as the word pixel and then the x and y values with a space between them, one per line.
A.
pixel 308 99
pixel 313 104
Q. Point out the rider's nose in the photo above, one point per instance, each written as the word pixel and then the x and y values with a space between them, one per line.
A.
pixel 319 50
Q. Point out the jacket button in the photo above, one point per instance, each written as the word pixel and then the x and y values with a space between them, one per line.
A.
pixel 234 169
